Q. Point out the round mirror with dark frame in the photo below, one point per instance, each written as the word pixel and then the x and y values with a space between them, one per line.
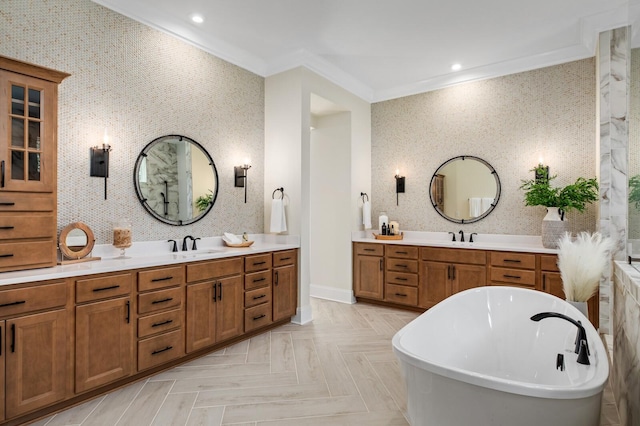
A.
pixel 464 189
pixel 176 180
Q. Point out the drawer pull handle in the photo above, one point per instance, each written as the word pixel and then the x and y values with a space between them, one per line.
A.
pixel 8 203
pixel 369 249
pixel 276 277
pixel 401 295
pixel 401 279
pixel 13 338
pixel 257 280
pixel 259 297
pixel 258 263
pixel 159 351
pixel 128 311
pixel 259 317
pixel 285 258
pixel 6 227
pixel 215 292
pixel 168 299
pixel 105 288
pixel 20 302
pixel 401 266
pixel 516 277
pixel 544 282
pixel 512 261
pixel 2 174
pixel 161 279
pixel 6 255
pixel 158 324
pixel 219 291
pixel 402 252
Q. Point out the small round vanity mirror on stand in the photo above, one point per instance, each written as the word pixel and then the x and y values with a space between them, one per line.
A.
pixel 76 243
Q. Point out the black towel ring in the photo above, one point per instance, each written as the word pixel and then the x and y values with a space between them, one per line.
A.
pixel 364 194
pixel 273 196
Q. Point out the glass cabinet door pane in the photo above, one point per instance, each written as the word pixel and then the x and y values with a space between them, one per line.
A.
pixel 34 134
pixel 34 103
pixel 17 132
pixel 34 166
pixel 17 165
pixel 17 100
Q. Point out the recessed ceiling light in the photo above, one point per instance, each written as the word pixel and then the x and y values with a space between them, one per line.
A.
pixel 456 67
pixel 198 19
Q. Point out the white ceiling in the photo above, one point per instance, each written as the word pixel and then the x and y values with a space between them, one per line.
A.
pixel 379 49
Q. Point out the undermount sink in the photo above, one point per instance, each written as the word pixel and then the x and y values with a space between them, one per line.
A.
pixel 196 253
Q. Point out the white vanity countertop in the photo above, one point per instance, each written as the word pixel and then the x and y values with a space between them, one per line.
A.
pixel 148 254
pixel 521 243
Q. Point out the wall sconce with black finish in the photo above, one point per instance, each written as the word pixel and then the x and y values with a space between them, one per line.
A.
pixel 399 185
pixel 99 161
pixel 240 173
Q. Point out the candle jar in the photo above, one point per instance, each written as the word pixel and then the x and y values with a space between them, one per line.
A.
pixel 122 236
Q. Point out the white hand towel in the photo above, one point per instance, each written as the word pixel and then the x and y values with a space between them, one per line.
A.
pixel 475 205
pixel 278 219
pixel 366 215
pixel 232 239
pixel 486 204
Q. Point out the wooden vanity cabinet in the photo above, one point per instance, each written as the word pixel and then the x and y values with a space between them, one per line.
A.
pixel 258 307
pixel 35 348
pixel 160 313
pixel 551 282
pixel 401 275
pixel 285 284
pixel 368 270
pixel 445 271
pixel 215 302
pixel 513 269
pixel 105 318
pixel 28 175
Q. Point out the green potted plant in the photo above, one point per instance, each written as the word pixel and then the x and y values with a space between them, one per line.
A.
pixel 558 201
pixel 634 191
pixel 203 201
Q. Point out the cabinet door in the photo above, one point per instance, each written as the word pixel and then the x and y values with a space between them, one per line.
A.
pixel 201 330
pixel 27 155
pixel 36 361
pixel 104 343
pixel 465 277
pixel 552 283
pixel 435 283
pixel 229 307
pixel 285 292
pixel 368 277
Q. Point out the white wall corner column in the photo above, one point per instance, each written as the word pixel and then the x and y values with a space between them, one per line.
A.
pixel 613 71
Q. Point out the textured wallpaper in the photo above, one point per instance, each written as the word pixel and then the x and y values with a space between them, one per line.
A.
pixel 510 122
pixel 139 84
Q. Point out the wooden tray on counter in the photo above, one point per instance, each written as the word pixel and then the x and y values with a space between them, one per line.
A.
pixel 387 237
pixel 242 244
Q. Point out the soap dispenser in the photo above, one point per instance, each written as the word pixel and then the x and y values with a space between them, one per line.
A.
pixel 382 219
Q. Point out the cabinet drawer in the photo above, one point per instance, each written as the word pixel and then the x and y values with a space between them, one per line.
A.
pixel 257 297
pixel 257 317
pixel 159 300
pixel 549 263
pixel 402 278
pixel 27 254
pixel 402 265
pixel 469 256
pixel 160 278
pixel 160 349
pixel 257 263
pixel 370 249
pixel 215 269
pixel 19 226
pixel 513 260
pixel 159 323
pixel 31 299
pixel 26 202
pixel 257 280
pixel 281 258
pixel 103 287
pixel 401 294
pixel 514 276
pixel 404 252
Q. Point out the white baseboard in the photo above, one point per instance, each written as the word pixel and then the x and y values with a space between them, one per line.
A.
pixel 303 315
pixel 332 293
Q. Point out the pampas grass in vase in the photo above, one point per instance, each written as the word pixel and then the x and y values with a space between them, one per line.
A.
pixel 582 262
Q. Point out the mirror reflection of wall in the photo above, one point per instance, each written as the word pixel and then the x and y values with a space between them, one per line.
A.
pixel 634 146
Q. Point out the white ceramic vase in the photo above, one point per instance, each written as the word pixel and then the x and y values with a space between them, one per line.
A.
pixel 581 306
pixel 553 227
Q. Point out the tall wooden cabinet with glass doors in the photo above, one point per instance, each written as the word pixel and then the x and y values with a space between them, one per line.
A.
pixel 28 149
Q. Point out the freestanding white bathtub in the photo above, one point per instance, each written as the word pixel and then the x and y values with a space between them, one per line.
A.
pixel 477 359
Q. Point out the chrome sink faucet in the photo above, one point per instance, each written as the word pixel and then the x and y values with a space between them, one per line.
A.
pixel 184 242
pixel 582 348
